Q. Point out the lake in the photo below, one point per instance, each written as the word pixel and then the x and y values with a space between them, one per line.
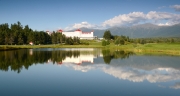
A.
pixel 87 72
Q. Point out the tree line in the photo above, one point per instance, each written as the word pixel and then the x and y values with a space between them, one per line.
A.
pixel 121 40
pixel 16 34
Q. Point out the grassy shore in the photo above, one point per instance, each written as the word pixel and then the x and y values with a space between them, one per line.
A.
pixel 150 48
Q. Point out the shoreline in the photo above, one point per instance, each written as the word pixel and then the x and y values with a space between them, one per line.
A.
pixel 140 49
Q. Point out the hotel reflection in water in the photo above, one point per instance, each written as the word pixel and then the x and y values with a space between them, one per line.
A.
pixel 85 57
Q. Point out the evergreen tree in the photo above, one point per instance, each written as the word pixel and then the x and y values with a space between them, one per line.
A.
pixel 54 38
pixel 107 35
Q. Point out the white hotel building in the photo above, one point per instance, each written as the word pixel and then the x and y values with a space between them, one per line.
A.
pixel 80 34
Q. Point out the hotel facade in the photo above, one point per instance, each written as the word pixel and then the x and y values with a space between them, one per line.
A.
pixel 80 34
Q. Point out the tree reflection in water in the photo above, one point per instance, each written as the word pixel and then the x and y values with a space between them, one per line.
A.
pixel 18 59
pixel 108 55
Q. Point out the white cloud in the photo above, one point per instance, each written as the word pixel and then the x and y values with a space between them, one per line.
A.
pixel 84 68
pixel 133 18
pixel 136 75
pixel 153 15
pixel 176 86
pixel 176 7
pixel 80 25
pixel 139 17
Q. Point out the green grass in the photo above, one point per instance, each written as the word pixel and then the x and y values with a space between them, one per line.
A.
pixel 153 48
pixel 8 47
pixel 3 48
pixel 161 46
pixel 173 49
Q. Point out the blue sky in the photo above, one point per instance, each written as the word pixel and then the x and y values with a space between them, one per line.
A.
pixel 73 14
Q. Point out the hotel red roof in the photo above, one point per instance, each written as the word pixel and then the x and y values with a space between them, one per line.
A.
pixel 78 30
pixel 60 30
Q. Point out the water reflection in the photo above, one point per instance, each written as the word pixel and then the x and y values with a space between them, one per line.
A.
pixel 108 56
pixel 119 64
pixel 137 75
pixel 176 85
pixel 18 59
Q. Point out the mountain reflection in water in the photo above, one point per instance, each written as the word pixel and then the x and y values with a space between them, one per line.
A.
pixel 120 64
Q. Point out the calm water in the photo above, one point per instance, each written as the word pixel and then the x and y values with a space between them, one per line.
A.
pixel 87 72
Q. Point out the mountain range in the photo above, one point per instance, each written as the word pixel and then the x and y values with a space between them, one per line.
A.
pixel 140 31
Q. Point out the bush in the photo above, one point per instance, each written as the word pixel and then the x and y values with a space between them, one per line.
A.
pixel 103 43
pixel 119 40
pixel 85 43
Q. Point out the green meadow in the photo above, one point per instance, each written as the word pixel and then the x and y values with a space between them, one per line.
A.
pixel 149 48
